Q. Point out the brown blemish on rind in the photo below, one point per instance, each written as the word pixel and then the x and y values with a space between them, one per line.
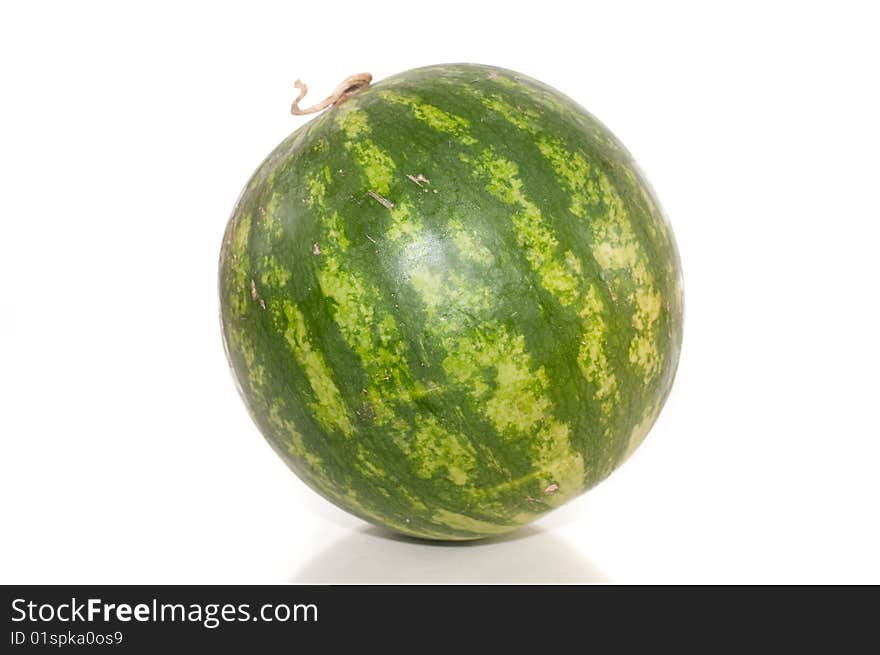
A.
pixel 418 179
pixel 382 201
pixel 255 295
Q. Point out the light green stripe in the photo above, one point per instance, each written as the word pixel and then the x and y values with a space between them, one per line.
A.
pixel 615 248
pixel 467 524
pixel 296 447
pixel 521 118
pixel 353 502
pixel 563 278
pixel 271 220
pixel 433 116
pixel 434 448
pixel 238 261
pixel 468 245
pixel 242 343
pixel 285 429
pixel 640 431
pixel 275 274
pixel 533 232
pixel 329 409
pixel 376 165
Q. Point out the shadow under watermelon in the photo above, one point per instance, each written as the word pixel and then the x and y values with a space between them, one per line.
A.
pixel 373 555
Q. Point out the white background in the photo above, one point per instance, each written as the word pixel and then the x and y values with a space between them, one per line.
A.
pixel 127 133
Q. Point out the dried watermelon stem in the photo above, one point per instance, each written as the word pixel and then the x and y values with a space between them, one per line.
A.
pixel 349 86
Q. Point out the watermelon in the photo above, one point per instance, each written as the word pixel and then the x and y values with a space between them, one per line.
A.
pixel 451 301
